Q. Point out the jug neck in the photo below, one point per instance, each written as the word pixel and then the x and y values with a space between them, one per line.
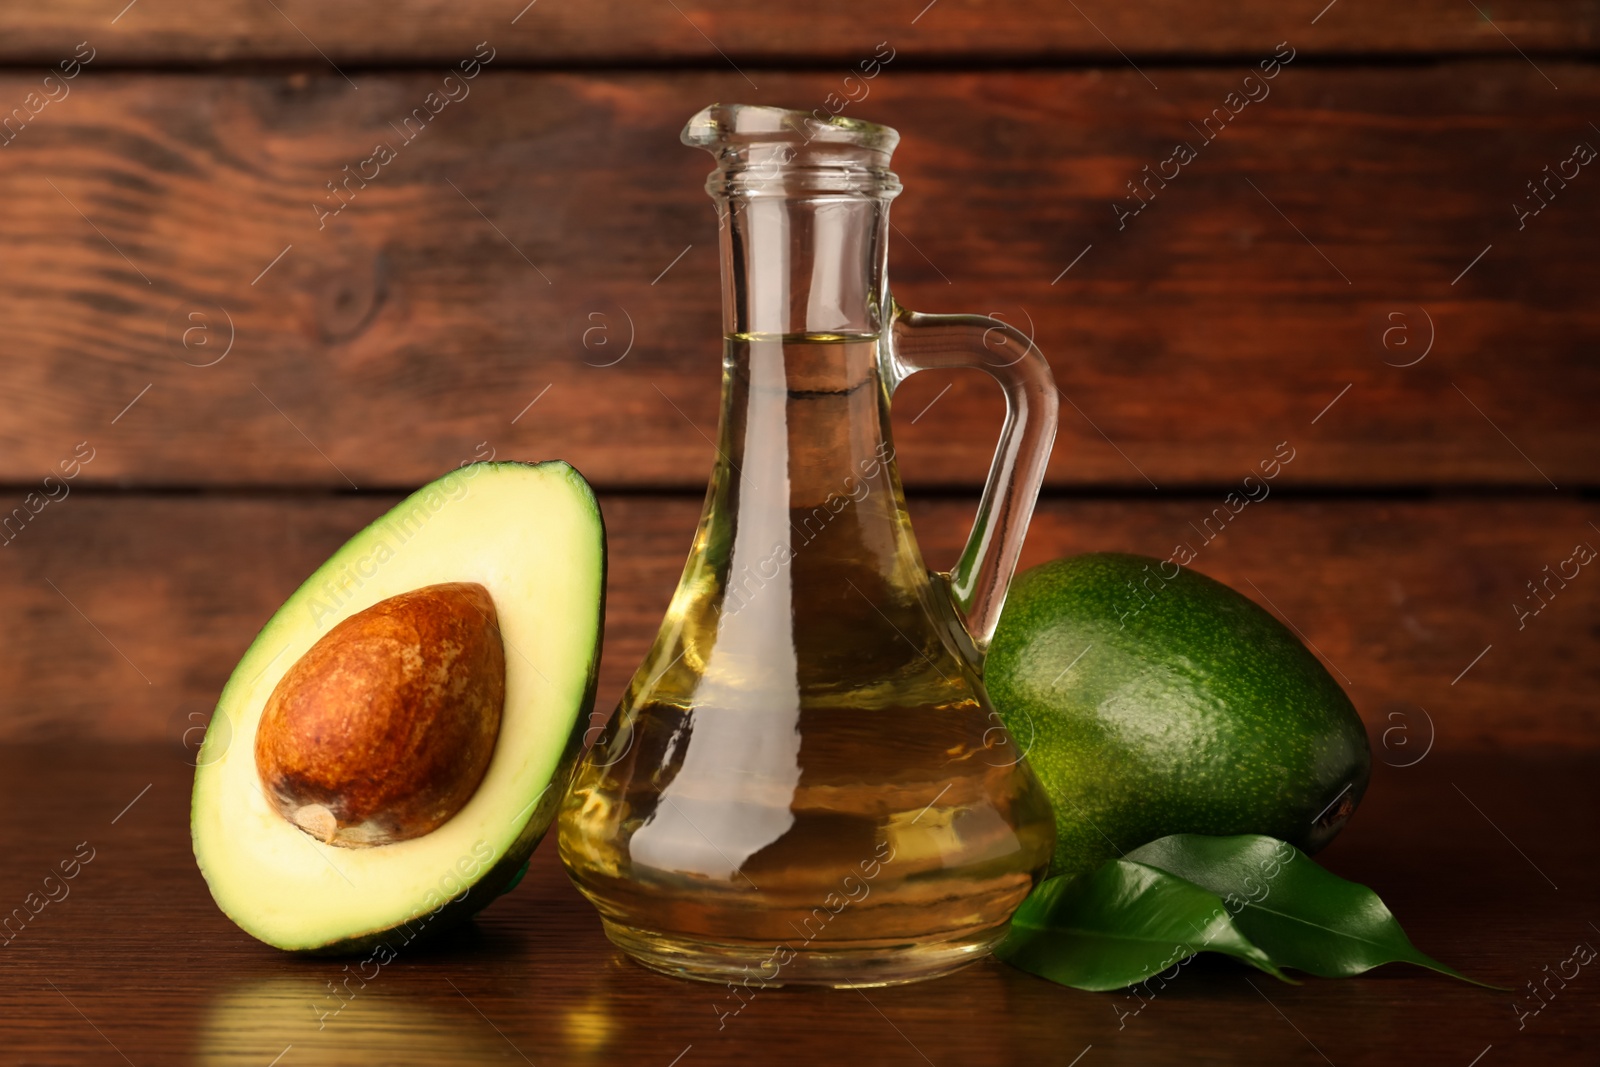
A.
pixel 803 210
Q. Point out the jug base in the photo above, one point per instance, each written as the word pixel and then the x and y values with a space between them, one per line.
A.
pixel 762 965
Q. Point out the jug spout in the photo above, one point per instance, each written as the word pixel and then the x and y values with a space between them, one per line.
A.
pixel 734 132
pixel 803 211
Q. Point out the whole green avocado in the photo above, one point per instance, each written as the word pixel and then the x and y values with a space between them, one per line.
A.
pixel 1151 705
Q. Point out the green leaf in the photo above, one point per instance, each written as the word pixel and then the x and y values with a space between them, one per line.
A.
pixel 1120 925
pixel 1298 913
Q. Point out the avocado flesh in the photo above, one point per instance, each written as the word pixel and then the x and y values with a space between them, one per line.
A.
pixel 530 534
pixel 1192 711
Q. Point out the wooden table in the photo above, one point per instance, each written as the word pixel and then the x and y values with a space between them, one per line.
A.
pixel 1353 267
pixel 1492 862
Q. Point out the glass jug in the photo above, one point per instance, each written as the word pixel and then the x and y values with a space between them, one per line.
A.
pixel 805 783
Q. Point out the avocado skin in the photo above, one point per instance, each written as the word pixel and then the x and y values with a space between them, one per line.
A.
pixel 1193 710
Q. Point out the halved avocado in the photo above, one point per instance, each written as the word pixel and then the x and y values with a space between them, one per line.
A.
pixel 532 537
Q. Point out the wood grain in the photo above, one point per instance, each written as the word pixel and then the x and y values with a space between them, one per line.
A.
pixel 177 324
pixel 137 962
pixel 717 32
pixel 123 616
pixel 480 293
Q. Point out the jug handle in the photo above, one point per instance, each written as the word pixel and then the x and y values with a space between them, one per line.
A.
pixel 918 342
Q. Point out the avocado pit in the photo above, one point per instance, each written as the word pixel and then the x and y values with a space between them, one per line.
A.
pixel 383 730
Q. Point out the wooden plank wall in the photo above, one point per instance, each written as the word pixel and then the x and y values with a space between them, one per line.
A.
pixel 562 32
pixel 1355 262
